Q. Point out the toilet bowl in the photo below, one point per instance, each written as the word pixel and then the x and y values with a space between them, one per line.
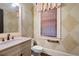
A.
pixel 37 49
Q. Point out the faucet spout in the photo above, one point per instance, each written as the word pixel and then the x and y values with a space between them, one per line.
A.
pixel 8 37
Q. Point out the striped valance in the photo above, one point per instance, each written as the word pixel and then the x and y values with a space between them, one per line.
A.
pixel 47 6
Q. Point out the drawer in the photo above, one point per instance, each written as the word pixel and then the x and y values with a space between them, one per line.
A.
pixel 25 45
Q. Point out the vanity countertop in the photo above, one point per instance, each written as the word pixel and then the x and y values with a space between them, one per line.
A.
pixel 12 42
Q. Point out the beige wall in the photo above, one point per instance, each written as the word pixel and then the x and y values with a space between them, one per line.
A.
pixel 69 42
pixel 10 18
pixel 27 19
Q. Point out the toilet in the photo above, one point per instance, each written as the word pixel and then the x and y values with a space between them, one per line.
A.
pixel 36 50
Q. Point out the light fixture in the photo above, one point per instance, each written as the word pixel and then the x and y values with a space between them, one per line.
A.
pixel 16 7
pixel 15 4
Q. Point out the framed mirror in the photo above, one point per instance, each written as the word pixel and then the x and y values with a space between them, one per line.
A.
pixel 9 17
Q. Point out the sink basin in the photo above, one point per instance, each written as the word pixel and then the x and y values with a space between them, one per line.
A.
pixel 7 41
pixel 12 41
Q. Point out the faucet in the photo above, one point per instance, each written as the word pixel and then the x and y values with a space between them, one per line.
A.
pixel 8 36
pixel 12 37
pixel 3 39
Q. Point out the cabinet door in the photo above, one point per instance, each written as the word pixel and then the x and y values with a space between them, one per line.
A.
pixel 12 51
pixel 26 48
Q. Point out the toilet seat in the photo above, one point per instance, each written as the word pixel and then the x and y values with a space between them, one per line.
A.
pixel 37 49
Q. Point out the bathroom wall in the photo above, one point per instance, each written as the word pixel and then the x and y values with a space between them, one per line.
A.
pixel 10 18
pixel 69 19
pixel 27 19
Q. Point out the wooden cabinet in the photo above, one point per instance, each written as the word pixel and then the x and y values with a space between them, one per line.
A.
pixel 22 49
pixel 26 48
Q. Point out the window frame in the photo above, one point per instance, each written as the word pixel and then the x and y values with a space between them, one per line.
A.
pixel 37 23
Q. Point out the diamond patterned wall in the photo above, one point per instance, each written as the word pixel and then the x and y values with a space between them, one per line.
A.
pixel 70 26
pixel 69 30
pixel 70 22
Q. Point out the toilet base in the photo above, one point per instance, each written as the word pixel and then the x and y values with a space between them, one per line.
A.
pixel 44 54
pixel 35 54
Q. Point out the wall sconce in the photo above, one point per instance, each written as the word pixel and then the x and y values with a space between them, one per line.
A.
pixel 15 4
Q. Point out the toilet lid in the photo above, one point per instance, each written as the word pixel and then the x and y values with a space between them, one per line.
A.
pixel 37 48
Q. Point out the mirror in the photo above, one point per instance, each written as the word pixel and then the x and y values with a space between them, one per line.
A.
pixel 9 17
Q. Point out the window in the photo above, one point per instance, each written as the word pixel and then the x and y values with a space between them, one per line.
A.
pixel 49 23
